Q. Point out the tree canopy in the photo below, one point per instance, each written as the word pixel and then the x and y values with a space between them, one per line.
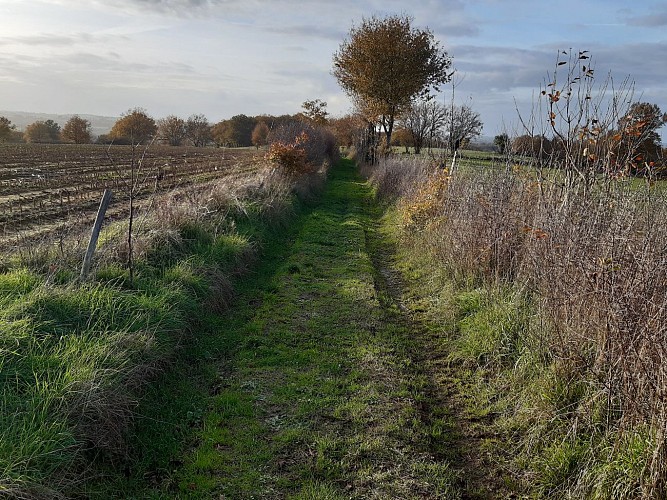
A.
pixel 464 124
pixel 42 132
pixel 502 143
pixel 260 134
pixel 315 111
pixel 77 130
pixel 638 132
pixel 198 130
pixel 348 129
pixel 237 131
pixel 134 127
pixel 172 130
pixel 385 63
pixel 423 120
pixel 6 128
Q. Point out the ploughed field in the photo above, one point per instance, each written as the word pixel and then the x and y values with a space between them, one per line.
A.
pixel 47 188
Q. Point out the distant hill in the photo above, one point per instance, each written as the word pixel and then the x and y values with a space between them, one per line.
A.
pixel 21 119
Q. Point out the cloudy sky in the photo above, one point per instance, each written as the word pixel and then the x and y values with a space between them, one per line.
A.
pixel 225 57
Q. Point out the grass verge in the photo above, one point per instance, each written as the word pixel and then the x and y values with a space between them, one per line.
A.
pixel 76 359
pixel 534 347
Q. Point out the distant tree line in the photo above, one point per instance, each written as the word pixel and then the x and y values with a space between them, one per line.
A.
pixel 76 130
pixel 137 127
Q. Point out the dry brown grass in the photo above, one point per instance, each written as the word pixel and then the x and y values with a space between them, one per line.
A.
pixel 159 221
pixel 594 262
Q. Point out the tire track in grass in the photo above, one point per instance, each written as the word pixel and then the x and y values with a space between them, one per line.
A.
pixel 461 430
pixel 322 398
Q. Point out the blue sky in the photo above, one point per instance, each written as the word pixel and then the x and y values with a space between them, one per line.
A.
pixel 224 57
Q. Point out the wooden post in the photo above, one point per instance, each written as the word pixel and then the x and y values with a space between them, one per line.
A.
pixel 104 204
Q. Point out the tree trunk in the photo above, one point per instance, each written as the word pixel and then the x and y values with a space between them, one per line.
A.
pixel 388 126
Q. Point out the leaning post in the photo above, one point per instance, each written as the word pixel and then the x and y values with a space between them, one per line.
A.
pixel 104 204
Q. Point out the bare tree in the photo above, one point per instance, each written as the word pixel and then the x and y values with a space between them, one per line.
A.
pixel 581 117
pixel 198 130
pixel 172 130
pixel 133 183
pixel 423 120
pixel 463 124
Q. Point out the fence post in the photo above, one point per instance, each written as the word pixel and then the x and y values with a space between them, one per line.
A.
pixel 104 204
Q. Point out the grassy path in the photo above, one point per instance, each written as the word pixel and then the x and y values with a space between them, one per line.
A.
pixel 321 397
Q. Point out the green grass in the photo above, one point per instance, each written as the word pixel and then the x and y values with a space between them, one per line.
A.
pixel 344 363
pixel 76 358
pixel 310 388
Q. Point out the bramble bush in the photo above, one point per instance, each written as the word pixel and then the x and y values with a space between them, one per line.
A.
pixel 301 148
pixel 291 157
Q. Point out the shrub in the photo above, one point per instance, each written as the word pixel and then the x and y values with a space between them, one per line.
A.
pixel 299 148
pixel 426 204
pixel 394 177
pixel 291 157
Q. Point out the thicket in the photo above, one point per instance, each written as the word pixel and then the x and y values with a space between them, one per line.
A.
pixel 299 148
pixel 571 304
pixel 75 357
pixel 559 298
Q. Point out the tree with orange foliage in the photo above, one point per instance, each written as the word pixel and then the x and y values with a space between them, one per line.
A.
pixel 403 137
pixel 638 137
pixel 348 129
pixel 77 130
pixel 260 134
pixel 42 132
pixel 134 127
pixel 386 63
